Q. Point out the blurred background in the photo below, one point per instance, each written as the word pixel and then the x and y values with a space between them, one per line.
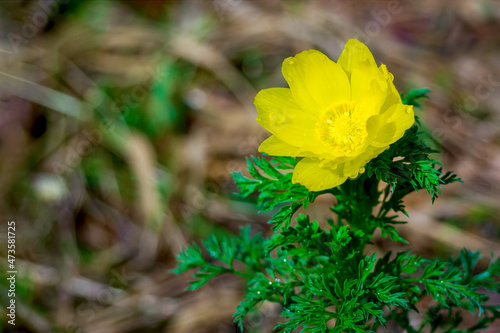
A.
pixel 120 122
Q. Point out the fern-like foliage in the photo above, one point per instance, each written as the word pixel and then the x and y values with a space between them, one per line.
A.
pixel 414 96
pixel 319 272
pixel 408 164
pixel 274 187
pixel 225 252
pixel 321 276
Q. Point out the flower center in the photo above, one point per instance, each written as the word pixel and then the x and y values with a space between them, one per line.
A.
pixel 341 129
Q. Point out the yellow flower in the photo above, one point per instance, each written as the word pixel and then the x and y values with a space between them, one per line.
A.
pixel 337 116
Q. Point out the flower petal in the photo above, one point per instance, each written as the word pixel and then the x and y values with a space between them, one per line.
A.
pixel 316 81
pixel 355 55
pixel 393 96
pixel 275 147
pixel 369 90
pixel 304 124
pixel 280 115
pixel 315 178
pixel 315 148
pixel 355 166
pixel 391 125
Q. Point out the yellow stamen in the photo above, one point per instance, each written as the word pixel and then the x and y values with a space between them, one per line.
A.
pixel 341 129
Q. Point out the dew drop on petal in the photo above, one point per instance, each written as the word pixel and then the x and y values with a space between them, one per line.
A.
pixel 259 119
pixel 277 118
pixel 362 169
pixel 408 109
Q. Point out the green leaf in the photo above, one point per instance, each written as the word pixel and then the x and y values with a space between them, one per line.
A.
pixel 413 96
pixel 274 188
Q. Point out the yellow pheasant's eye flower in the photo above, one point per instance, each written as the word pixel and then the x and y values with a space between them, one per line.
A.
pixel 337 116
